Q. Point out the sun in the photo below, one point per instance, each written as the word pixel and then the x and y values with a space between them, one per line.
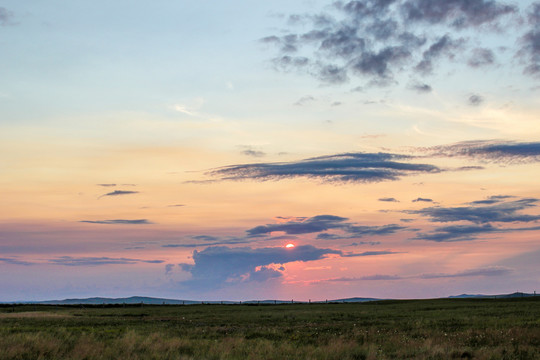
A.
pixel 289 246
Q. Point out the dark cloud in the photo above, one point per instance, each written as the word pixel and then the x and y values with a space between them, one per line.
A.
pixel 378 64
pixel 311 225
pixel 420 87
pixel 14 261
pixel 508 211
pixel 389 199
pixel 444 46
pixel 348 167
pixel 370 253
pixel 499 151
pixel 530 42
pixel 376 40
pixel 215 266
pixel 355 232
pixel 481 57
pixel 372 243
pixel 488 271
pixel 5 16
pixel 467 232
pixel 95 261
pixel 253 153
pixel 491 200
pixel 457 233
pixel 118 221
pixel 456 13
pixel 119 192
pixel 419 199
pixel 320 223
pixel 168 268
pixel 475 100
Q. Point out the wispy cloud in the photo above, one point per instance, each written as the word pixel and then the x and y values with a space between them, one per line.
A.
pixel 15 261
pixel 467 232
pixel 499 151
pixel 95 261
pixel 488 271
pixel 119 192
pixel 491 271
pixel 341 168
pixel 118 221
pixel 389 199
pixel 420 199
pixel 481 213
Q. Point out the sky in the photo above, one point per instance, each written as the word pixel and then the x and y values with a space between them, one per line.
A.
pixel 175 148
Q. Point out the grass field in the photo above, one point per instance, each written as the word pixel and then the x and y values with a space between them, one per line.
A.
pixel 414 329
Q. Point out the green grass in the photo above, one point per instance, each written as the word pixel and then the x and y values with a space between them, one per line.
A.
pixel 414 329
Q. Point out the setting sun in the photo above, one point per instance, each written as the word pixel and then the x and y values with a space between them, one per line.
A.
pixel 290 246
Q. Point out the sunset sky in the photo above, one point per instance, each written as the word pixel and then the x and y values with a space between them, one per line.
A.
pixel 174 148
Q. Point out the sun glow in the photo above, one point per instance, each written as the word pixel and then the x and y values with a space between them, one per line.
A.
pixel 289 246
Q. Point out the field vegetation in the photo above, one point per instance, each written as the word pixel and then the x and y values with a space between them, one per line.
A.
pixel 413 329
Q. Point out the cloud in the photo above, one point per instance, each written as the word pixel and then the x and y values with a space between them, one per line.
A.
pixel 530 42
pixel 118 221
pixel 5 16
pixel 368 278
pixel 420 88
pixel 507 211
pixel 419 199
pixel 444 46
pixel 13 261
pixel 253 153
pixel 499 151
pixel 488 271
pixel 95 261
pixel 378 40
pixel 226 241
pixel 347 167
pixel 168 268
pixel 466 232
pixel 456 13
pixel 491 200
pixel 320 223
pixel 481 57
pixel 370 253
pixel 356 231
pixel 219 265
pixel 475 100
pixel 119 192
pixel 106 185
pixel 389 199
pixel 304 100
pixel 311 225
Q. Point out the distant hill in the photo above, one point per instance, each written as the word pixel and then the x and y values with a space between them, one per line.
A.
pixel 501 296
pixel 128 300
pixel 161 301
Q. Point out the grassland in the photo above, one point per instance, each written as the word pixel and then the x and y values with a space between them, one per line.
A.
pixel 415 329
